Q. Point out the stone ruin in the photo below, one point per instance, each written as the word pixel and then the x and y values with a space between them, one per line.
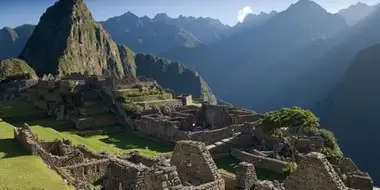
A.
pixel 207 124
pixel 314 172
pixel 85 169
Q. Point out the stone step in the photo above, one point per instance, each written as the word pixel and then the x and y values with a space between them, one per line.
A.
pixel 94 110
pixel 95 121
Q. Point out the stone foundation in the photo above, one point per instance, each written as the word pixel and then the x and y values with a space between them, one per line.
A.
pixel 270 164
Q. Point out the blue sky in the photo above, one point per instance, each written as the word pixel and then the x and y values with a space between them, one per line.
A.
pixel 17 12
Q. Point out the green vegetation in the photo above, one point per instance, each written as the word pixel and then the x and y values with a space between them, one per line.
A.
pixel 113 143
pixel 16 108
pixel 290 167
pixel 295 118
pixel 229 164
pixel 130 93
pixel 19 170
pixel 13 69
pixel 132 109
pixel 292 123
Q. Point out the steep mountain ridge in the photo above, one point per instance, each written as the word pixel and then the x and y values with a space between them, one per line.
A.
pixel 174 75
pixel 12 40
pixel 239 62
pixel 354 107
pixel 356 13
pixel 143 34
pixel 68 40
pixel 207 30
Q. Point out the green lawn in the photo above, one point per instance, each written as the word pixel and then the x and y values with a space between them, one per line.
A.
pixel 15 108
pixel 19 170
pixel 113 143
pixel 229 164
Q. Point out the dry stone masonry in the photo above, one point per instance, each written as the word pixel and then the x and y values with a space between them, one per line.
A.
pixel 83 168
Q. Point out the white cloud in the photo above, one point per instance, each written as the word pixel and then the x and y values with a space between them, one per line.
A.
pixel 243 13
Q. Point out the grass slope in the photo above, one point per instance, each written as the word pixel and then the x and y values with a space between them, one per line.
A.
pixel 112 143
pixel 19 170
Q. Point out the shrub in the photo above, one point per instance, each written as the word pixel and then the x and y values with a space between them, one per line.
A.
pixel 331 147
pixel 290 167
pixel 295 118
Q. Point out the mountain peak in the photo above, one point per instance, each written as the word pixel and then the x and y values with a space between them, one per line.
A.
pixel 68 40
pixel 306 4
pixel 160 16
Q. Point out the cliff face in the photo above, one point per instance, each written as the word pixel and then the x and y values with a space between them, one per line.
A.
pixel 174 75
pixel 68 40
pixel 16 69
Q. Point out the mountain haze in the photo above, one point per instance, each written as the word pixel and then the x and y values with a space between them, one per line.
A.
pixel 148 35
pixel 355 13
pixel 354 107
pixel 12 40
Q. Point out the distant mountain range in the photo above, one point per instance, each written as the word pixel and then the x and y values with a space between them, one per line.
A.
pixel 356 13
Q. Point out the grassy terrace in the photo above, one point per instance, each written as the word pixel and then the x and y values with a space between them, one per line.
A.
pixel 229 164
pixel 19 170
pixel 113 143
pixel 13 108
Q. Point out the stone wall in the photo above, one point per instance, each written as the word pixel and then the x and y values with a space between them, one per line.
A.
pixel 194 163
pixel 229 180
pixel 270 164
pixel 216 116
pixel 163 96
pixel 89 172
pixel 170 103
pixel 245 176
pixel 167 129
pixel 124 175
pixel 314 173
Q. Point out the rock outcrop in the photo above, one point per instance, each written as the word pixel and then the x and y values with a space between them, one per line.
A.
pixel 68 40
pixel 15 69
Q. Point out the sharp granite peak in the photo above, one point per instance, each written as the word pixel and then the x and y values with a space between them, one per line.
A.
pixel 68 40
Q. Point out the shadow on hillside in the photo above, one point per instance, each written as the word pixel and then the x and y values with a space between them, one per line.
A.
pixel 10 148
pixel 130 141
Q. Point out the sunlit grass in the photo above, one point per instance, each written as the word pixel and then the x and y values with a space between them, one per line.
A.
pixel 19 170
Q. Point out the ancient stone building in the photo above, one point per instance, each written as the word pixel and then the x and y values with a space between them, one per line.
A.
pixel 85 169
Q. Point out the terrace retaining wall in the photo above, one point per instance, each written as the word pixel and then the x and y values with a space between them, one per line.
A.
pixel 270 164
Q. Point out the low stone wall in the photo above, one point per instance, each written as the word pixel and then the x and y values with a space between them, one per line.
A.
pixel 124 175
pixel 160 129
pixel 164 96
pixel 229 180
pixel 170 103
pixel 89 172
pixel 215 185
pixel 270 164
pixel 168 130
